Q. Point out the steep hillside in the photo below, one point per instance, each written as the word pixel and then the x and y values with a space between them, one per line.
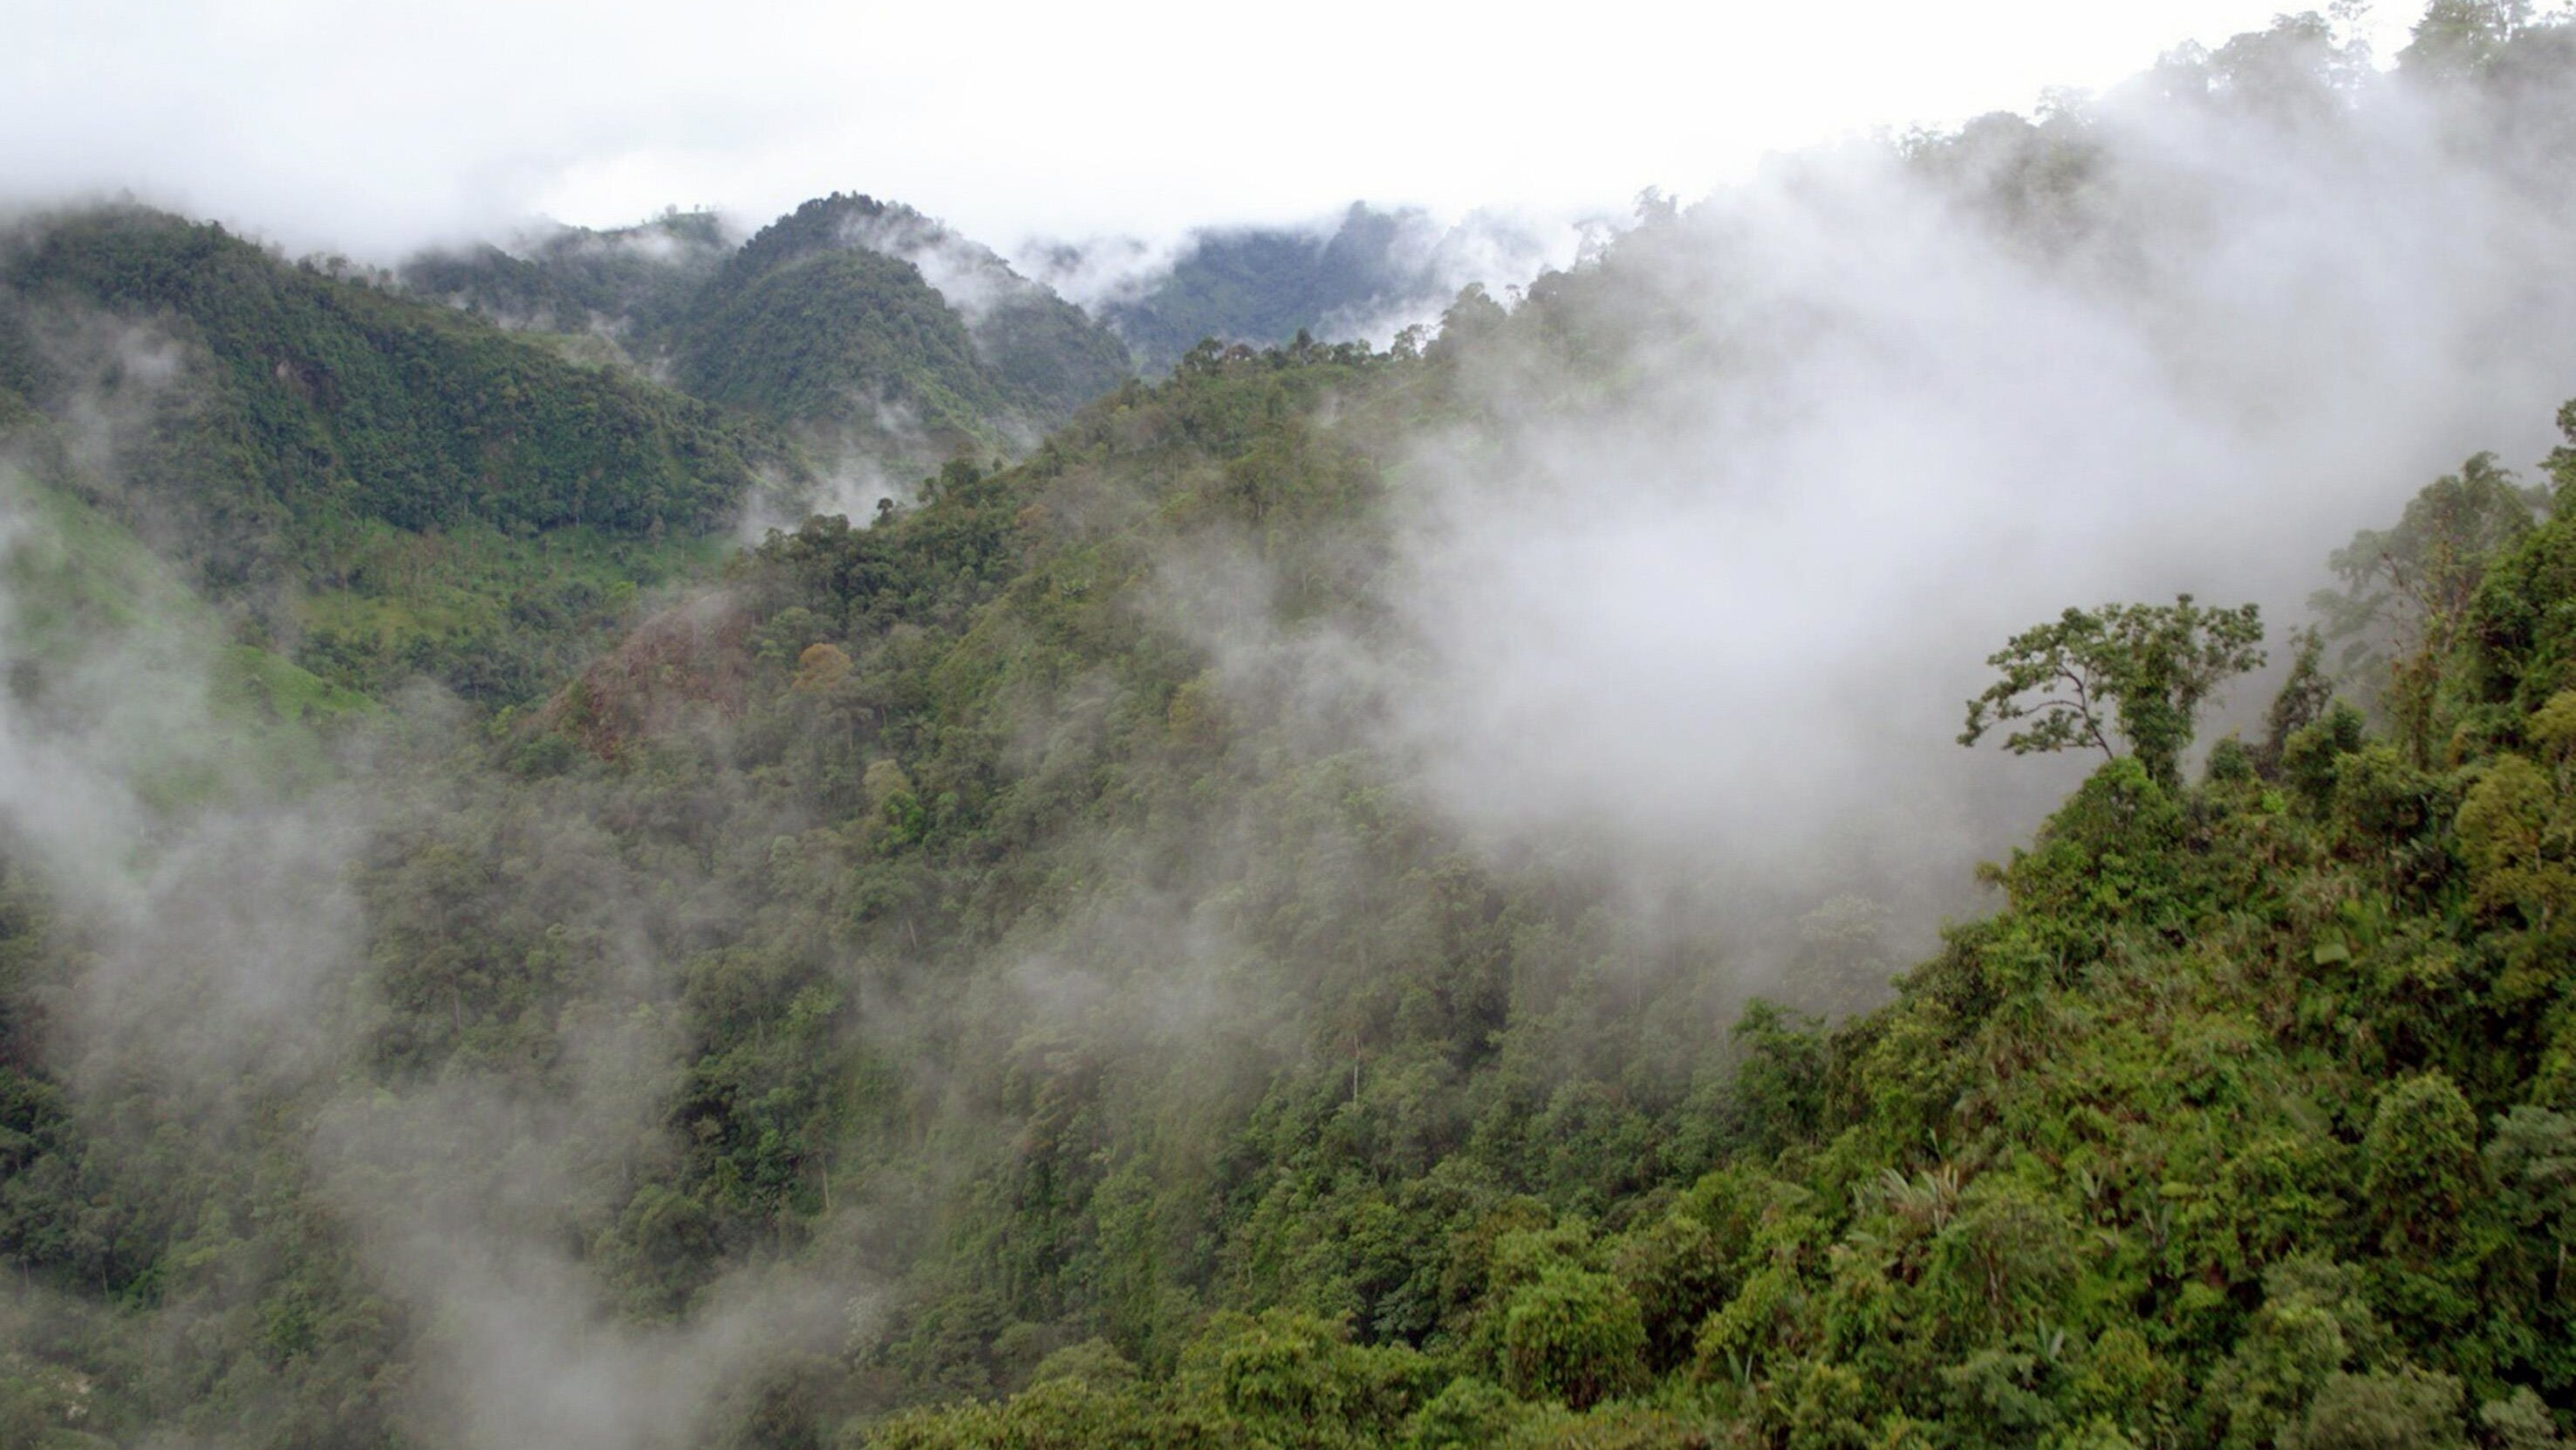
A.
pixel 636 280
pixel 339 462
pixel 1369 272
pixel 1099 953
pixel 1083 996
pixel 863 325
pixel 2248 1120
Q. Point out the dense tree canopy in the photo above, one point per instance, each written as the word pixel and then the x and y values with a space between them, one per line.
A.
pixel 860 324
pixel 938 979
pixel 2143 670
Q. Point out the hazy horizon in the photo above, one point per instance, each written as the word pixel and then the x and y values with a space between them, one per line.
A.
pixel 380 133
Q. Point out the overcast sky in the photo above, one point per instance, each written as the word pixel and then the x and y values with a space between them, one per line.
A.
pixel 374 126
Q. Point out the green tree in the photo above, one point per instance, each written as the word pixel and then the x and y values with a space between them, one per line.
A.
pixel 2409 590
pixel 2520 1421
pixel 2423 1169
pixel 1575 1336
pixel 2460 38
pixel 2147 667
pixel 2406 1410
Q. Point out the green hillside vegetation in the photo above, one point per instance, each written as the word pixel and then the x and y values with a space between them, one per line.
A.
pixel 1033 358
pixel 571 280
pixel 824 321
pixel 92 599
pixel 814 340
pixel 1024 948
pixel 385 487
pixel 498 618
pixel 2245 1119
pixel 868 691
pixel 335 406
pixel 1264 285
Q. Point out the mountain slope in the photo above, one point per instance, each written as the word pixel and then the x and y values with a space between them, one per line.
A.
pixel 989 974
pixel 573 280
pixel 1368 272
pixel 862 324
pixel 349 405
pixel 301 441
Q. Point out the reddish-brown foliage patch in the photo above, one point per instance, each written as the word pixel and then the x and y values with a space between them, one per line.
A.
pixel 683 667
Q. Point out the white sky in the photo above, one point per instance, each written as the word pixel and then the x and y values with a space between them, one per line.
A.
pixel 372 126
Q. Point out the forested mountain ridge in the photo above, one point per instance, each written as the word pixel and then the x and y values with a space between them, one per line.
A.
pixel 862 324
pixel 571 280
pixel 357 473
pixel 2248 1120
pixel 1369 272
pixel 991 974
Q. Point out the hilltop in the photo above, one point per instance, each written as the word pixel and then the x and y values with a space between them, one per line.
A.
pixel 862 326
pixel 376 486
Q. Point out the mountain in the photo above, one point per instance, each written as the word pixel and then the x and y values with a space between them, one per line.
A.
pixel 375 482
pixel 574 280
pixel 863 326
pixel 1365 274
pixel 1351 897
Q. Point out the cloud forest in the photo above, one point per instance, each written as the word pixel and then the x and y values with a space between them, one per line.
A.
pixel 1924 803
